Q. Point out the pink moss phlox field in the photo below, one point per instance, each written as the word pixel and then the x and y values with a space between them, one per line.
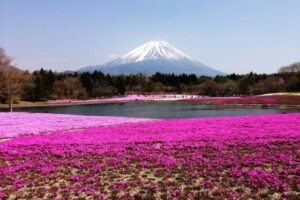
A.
pixel 115 99
pixel 127 98
pixel 270 100
pixel 254 157
pixel 18 123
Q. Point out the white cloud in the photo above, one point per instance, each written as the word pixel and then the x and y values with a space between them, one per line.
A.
pixel 108 57
pixel 111 56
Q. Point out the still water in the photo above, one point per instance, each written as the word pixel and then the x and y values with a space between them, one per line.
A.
pixel 165 110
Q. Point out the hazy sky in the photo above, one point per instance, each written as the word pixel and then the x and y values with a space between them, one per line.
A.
pixel 229 35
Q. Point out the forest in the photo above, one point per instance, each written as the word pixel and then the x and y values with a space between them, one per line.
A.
pixel 43 85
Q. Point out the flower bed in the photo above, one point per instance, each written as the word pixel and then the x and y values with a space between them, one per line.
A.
pixel 213 158
pixel 270 100
pixel 127 98
pixel 18 123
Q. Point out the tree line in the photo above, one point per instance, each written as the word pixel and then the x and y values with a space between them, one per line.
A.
pixel 43 85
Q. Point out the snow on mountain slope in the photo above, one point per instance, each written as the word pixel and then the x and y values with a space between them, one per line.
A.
pixel 152 57
pixel 153 50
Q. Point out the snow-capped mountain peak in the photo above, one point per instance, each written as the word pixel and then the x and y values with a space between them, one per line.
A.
pixel 153 50
pixel 152 57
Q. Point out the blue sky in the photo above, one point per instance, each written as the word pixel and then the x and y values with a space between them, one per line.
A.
pixel 230 35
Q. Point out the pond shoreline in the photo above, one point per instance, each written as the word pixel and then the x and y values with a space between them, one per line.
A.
pixel 257 106
pixel 45 104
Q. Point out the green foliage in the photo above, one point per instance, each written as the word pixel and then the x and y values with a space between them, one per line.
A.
pixel 48 85
pixel 43 81
pixel 210 88
pixel 87 82
pixel 16 100
pixel 120 85
pixel 293 84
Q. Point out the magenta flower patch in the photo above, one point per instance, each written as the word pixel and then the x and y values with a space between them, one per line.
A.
pixel 254 157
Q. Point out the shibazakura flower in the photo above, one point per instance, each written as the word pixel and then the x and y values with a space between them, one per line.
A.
pixel 20 123
pixel 226 157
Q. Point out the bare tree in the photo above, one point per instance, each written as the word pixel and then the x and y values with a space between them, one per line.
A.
pixel 295 67
pixel 12 79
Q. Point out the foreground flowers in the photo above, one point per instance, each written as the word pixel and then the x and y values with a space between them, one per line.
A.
pixel 230 157
pixel 18 123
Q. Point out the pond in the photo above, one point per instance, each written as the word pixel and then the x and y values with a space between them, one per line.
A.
pixel 164 110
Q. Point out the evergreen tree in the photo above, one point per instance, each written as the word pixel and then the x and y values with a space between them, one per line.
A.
pixel 120 85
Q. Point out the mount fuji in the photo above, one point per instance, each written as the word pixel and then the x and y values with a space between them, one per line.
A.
pixel 152 57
